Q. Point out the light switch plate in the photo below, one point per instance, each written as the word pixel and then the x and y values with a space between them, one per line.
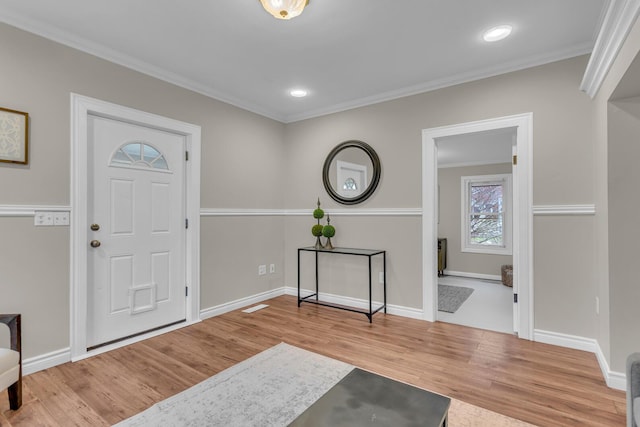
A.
pixel 43 219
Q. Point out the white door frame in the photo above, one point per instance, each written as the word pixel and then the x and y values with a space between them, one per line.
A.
pixel 81 108
pixel 522 213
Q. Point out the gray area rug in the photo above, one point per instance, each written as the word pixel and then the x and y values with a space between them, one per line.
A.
pixel 450 298
pixel 271 388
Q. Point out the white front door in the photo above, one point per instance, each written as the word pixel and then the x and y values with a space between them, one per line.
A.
pixel 136 237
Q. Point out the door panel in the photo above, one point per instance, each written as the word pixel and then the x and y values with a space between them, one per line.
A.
pixel 136 275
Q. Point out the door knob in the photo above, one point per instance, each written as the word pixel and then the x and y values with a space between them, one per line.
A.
pixel 95 227
pixel 95 243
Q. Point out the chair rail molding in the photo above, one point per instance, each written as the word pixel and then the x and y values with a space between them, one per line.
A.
pixel 205 212
pixel 30 210
pixel 564 210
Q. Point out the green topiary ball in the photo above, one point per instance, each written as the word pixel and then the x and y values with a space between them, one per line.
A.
pixel 316 230
pixel 318 213
pixel 328 231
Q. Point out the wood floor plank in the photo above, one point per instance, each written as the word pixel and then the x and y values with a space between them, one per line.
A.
pixel 534 382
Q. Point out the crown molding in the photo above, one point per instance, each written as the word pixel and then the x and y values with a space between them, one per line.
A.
pixel 66 38
pixel 617 23
pixel 533 61
pixel 101 51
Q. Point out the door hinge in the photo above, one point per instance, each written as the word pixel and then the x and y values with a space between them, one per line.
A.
pixel 515 298
pixel 515 159
pixel 186 223
pixel 186 156
pixel 186 291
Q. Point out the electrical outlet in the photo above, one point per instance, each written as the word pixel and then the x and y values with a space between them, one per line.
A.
pixel 272 268
pixel 381 277
pixel 43 219
pixel 61 218
pixel 262 270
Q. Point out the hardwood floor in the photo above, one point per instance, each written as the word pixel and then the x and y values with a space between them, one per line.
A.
pixel 538 383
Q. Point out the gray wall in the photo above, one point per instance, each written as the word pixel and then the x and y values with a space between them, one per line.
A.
pixel 248 159
pixel 617 333
pixel 242 155
pixel 624 229
pixel 449 225
pixel 562 130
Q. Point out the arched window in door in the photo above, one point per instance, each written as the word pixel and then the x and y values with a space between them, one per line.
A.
pixel 139 155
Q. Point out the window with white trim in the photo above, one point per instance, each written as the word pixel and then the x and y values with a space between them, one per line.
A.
pixel 486 214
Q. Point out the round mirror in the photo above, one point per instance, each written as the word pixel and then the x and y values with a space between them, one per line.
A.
pixel 351 172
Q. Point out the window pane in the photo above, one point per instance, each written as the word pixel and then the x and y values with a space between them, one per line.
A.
pixel 121 158
pixel 150 153
pixel 486 230
pixel 139 155
pixel 133 150
pixel 350 185
pixel 486 198
pixel 160 163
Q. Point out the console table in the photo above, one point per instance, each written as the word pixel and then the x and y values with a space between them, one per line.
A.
pixel 369 253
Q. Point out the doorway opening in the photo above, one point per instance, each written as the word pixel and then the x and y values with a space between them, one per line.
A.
pixel 515 131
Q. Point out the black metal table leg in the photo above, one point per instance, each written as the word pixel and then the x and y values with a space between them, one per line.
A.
pixel 384 269
pixel 299 278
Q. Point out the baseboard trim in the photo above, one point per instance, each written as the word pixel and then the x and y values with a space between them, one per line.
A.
pixel 565 340
pixel 616 380
pixel 613 379
pixel 472 275
pixel 45 361
pixel 239 303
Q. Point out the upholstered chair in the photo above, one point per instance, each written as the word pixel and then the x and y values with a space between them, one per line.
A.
pixel 11 361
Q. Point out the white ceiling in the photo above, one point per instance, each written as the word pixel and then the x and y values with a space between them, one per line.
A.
pixel 347 53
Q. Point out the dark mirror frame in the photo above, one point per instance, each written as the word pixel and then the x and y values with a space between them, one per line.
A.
pixel 375 179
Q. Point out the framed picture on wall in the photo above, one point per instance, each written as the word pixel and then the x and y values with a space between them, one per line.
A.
pixel 14 136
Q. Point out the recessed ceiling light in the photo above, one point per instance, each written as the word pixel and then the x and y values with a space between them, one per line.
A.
pixel 298 93
pixel 497 33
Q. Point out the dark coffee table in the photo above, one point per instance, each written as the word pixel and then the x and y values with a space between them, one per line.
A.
pixel 366 399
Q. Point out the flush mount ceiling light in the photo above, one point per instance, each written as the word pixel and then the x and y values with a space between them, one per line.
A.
pixel 284 9
pixel 298 93
pixel 497 33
